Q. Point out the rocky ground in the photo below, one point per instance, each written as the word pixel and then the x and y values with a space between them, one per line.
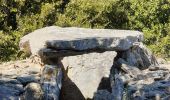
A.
pixel 15 77
pixel 18 78
pixel 149 84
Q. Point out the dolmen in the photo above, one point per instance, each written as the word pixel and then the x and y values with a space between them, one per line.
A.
pixel 85 64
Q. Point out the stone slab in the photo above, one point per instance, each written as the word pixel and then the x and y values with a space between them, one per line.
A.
pixel 71 38
pixel 86 74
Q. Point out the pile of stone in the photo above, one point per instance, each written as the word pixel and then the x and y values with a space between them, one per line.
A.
pixel 99 64
pixel 18 76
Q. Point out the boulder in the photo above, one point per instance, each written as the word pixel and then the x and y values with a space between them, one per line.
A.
pixel 51 81
pixel 33 91
pixel 85 74
pixel 139 56
pixel 103 95
pixel 9 81
pixel 9 91
pixel 71 38
pixel 25 79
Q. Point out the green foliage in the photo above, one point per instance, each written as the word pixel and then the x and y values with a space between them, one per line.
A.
pixel 20 17
pixel 149 16
pixel 8 46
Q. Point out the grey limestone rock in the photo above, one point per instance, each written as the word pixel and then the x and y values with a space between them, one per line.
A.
pixel 33 91
pixel 25 79
pixel 10 90
pixel 140 56
pixel 71 38
pixel 84 74
pixel 90 68
pixel 51 81
pixel 103 95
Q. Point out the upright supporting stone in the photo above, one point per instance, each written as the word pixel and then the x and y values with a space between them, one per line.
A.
pixel 139 56
pixel 117 87
pixel 86 74
pixel 51 82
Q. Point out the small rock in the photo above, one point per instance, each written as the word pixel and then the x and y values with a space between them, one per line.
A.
pixel 154 68
pixel 140 57
pixel 158 75
pixel 51 82
pixel 103 95
pixel 9 81
pixel 17 87
pixel 10 91
pixel 33 91
pixel 33 69
pixel 25 79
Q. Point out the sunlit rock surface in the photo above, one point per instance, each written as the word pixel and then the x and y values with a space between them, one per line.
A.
pixel 72 38
pixel 15 76
pixel 86 74
pixel 33 91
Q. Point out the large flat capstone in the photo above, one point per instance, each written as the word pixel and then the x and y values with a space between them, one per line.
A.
pixel 80 39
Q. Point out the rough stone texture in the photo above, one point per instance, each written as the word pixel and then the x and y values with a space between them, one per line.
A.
pixel 103 95
pixel 10 89
pixel 20 68
pixel 85 74
pixel 9 81
pixel 25 79
pixel 85 56
pixel 48 53
pixel 51 82
pixel 8 93
pixel 79 39
pixel 153 83
pixel 14 76
pixel 33 91
pixel 139 56
pixel 157 89
pixel 117 85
